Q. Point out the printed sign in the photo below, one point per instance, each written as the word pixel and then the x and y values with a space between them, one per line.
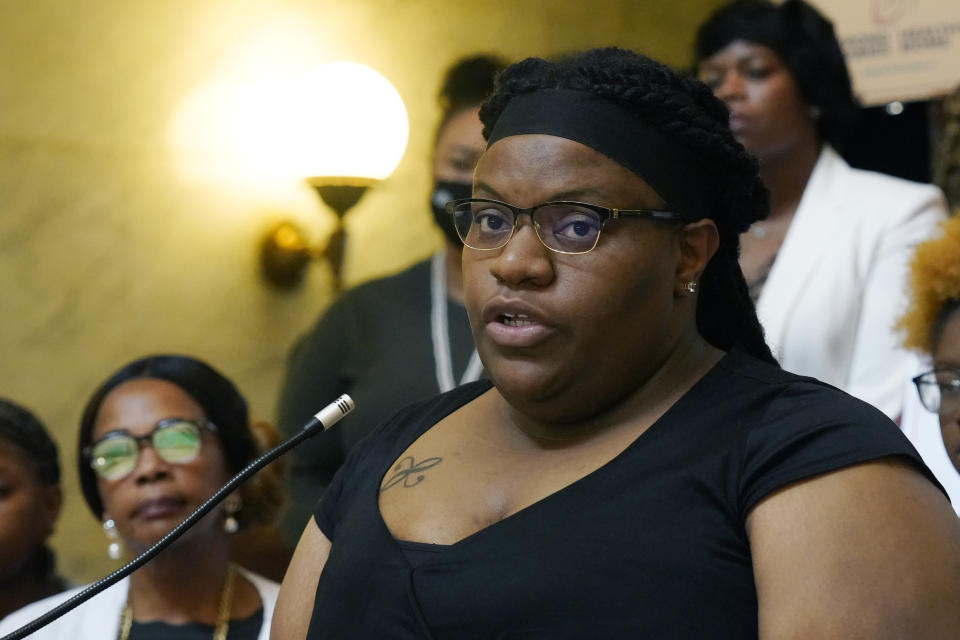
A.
pixel 898 49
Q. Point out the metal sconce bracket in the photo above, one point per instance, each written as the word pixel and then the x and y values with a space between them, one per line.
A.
pixel 284 252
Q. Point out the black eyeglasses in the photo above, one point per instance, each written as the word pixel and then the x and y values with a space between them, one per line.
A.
pixel 176 440
pixel 939 390
pixel 564 227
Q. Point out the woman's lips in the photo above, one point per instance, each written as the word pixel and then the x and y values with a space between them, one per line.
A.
pixel 737 123
pixel 515 324
pixel 158 508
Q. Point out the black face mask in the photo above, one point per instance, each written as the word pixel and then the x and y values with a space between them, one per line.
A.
pixel 444 192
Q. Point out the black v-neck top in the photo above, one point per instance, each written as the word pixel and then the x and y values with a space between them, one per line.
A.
pixel 651 545
pixel 244 629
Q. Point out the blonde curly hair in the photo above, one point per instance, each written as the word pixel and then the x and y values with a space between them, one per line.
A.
pixel 934 288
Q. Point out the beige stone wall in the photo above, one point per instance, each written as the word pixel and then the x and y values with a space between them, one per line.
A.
pixel 112 246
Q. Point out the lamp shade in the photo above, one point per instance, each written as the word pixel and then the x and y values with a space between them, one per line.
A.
pixel 352 123
pixel 338 120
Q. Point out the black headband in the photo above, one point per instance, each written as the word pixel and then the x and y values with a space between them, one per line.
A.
pixel 606 127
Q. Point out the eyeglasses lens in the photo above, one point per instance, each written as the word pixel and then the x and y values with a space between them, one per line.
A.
pixel 940 391
pixel 176 442
pixel 567 228
pixel 114 457
pixel 483 225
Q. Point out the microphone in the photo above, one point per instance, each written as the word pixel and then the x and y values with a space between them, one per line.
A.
pixel 322 420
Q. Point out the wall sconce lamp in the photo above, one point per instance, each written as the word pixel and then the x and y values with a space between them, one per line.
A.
pixel 354 135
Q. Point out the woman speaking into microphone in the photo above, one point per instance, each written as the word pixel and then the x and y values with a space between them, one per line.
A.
pixel 157 439
pixel 637 466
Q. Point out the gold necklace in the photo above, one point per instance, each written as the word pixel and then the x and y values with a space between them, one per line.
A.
pixel 223 612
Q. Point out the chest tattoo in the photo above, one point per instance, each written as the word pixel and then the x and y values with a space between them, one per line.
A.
pixel 409 472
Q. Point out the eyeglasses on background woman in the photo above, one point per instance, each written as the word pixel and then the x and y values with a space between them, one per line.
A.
pixel 939 390
pixel 175 440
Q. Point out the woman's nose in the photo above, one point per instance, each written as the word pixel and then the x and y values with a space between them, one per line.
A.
pixel 524 260
pixel 150 466
pixel 730 88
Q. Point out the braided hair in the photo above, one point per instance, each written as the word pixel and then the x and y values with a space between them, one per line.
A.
pixel 21 428
pixel 686 111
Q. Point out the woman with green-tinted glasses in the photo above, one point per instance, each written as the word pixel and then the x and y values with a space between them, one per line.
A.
pixel 157 439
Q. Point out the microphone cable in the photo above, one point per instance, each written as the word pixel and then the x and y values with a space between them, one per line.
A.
pixel 324 419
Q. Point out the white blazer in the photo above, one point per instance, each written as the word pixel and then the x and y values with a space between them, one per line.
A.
pixel 837 285
pixel 99 617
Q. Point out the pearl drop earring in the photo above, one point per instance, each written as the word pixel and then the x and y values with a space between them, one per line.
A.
pixel 113 548
pixel 232 506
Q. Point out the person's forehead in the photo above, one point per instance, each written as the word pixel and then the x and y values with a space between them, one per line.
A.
pixel 553 166
pixel 622 136
pixel 464 122
pixel 536 154
pixel 947 349
pixel 739 51
pixel 137 405
pixel 13 459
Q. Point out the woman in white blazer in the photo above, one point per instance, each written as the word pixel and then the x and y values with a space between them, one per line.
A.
pixel 827 267
pixel 157 439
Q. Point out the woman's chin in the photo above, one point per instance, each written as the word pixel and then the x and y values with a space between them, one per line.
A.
pixel 524 382
pixel 542 399
pixel 146 534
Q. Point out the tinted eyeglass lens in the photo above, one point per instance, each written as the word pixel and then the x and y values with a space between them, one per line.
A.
pixel 177 441
pixel 568 228
pixel 483 225
pixel 114 457
pixel 948 387
pixel 462 220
